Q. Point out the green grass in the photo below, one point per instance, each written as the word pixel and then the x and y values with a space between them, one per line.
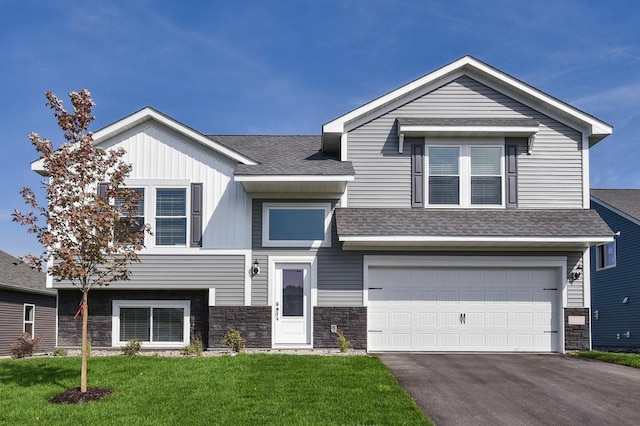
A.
pixel 631 360
pixel 247 389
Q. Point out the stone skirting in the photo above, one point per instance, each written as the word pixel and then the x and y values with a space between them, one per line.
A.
pixel 577 336
pixel 253 323
pixel 101 309
pixel 351 320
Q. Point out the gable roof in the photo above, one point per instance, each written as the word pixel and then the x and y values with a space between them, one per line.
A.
pixel 17 275
pixel 594 128
pixel 471 228
pixel 621 201
pixel 148 114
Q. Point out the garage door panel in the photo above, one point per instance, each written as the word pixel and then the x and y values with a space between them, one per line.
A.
pixel 473 309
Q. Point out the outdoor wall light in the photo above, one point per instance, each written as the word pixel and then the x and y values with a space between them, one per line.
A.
pixel 255 268
pixel 574 275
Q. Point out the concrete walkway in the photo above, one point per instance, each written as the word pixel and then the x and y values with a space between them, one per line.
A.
pixel 513 389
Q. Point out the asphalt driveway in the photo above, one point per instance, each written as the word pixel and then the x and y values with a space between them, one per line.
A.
pixel 513 389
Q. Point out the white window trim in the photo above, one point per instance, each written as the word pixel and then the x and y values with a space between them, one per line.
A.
pixel 150 186
pixel 325 242
pixel 32 322
pixel 115 321
pixel 464 170
pixel 598 258
pixel 155 217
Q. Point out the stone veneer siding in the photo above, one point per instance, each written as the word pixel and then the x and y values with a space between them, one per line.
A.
pixel 100 311
pixel 253 323
pixel 351 320
pixel 577 337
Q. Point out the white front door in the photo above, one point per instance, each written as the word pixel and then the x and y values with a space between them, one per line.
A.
pixel 292 305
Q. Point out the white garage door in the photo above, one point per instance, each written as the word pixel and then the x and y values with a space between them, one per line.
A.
pixel 469 309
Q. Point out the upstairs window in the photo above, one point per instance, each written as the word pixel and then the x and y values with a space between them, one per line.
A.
pixel 171 217
pixel 465 176
pixel 606 255
pixel 136 220
pixel 296 225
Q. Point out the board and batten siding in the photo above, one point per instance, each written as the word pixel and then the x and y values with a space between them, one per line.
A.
pixel 551 177
pixel 159 153
pixel 225 273
pixel 12 319
pixel 339 272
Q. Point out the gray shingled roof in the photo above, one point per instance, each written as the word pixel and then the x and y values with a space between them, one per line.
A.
pixel 284 155
pixel 438 121
pixel 15 274
pixel 470 223
pixel 625 200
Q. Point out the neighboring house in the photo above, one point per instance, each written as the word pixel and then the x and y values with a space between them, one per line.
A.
pixel 451 214
pixel 615 272
pixel 25 305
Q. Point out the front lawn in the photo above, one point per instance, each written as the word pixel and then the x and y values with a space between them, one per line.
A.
pixel 631 360
pixel 247 389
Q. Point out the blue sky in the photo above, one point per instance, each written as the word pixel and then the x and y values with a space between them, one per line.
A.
pixel 287 67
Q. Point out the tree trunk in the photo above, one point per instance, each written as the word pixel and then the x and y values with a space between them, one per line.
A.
pixel 85 342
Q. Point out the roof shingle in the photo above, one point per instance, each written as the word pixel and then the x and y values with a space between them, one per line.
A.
pixel 625 200
pixel 18 275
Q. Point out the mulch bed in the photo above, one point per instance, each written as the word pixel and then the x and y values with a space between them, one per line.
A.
pixel 75 396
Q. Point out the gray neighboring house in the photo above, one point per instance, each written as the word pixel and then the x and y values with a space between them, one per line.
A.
pixel 615 268
pixel 25 305
pixel 450 214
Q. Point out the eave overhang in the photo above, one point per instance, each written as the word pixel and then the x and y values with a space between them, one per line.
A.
pixel 386 242
pixel 295 186
pixel 465 127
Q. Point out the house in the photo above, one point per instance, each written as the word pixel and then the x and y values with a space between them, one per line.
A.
pixel 451 214
pixel 615 267
pixel 26 305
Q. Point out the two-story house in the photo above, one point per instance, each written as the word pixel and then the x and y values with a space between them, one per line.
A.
pixel 451 214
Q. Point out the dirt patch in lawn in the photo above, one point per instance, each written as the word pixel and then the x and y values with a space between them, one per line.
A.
pixel 75 396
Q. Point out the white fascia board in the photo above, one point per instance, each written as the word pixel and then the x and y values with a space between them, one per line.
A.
pixel 438 239
pixel 435 130
pixel 305 178
pixel 151 114
pixel 453 70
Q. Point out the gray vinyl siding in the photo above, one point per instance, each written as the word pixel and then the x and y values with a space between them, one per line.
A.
pixel 575 289
pixel 339 272
pixel 225 273
pixel 551 177
pixel 611 285
pixel 12 317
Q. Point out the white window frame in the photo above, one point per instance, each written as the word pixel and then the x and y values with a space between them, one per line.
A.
pixel 181 304
pixel 187 201
pixel 150 188
pixel 464 170
pixel 601 257
pixel 32 322
pixel 325 242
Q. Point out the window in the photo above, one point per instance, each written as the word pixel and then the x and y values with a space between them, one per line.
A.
pixel 296 225
pixel 29 319
pixel 171 217
pixel 137 215
pixel 465 175
pixel 606 255
pixel 155 323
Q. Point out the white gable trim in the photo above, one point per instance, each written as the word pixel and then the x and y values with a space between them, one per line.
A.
pixel 147 114
pixel 452 71
pixel 615 210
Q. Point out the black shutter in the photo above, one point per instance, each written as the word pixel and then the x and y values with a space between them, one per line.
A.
pixel 196 215
pixel 511 159
pixel 417 174
pixel 102 189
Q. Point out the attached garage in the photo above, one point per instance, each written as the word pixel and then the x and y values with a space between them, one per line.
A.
pixel 464 304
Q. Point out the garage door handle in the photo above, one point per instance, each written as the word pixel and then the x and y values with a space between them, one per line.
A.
pixel 463 318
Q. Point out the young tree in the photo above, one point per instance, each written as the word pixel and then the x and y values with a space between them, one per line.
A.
pixel 88 240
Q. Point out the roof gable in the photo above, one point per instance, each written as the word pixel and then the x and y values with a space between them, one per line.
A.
pixel 625 202
pixel 594 128
pixel 147 114
pixel 17 275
